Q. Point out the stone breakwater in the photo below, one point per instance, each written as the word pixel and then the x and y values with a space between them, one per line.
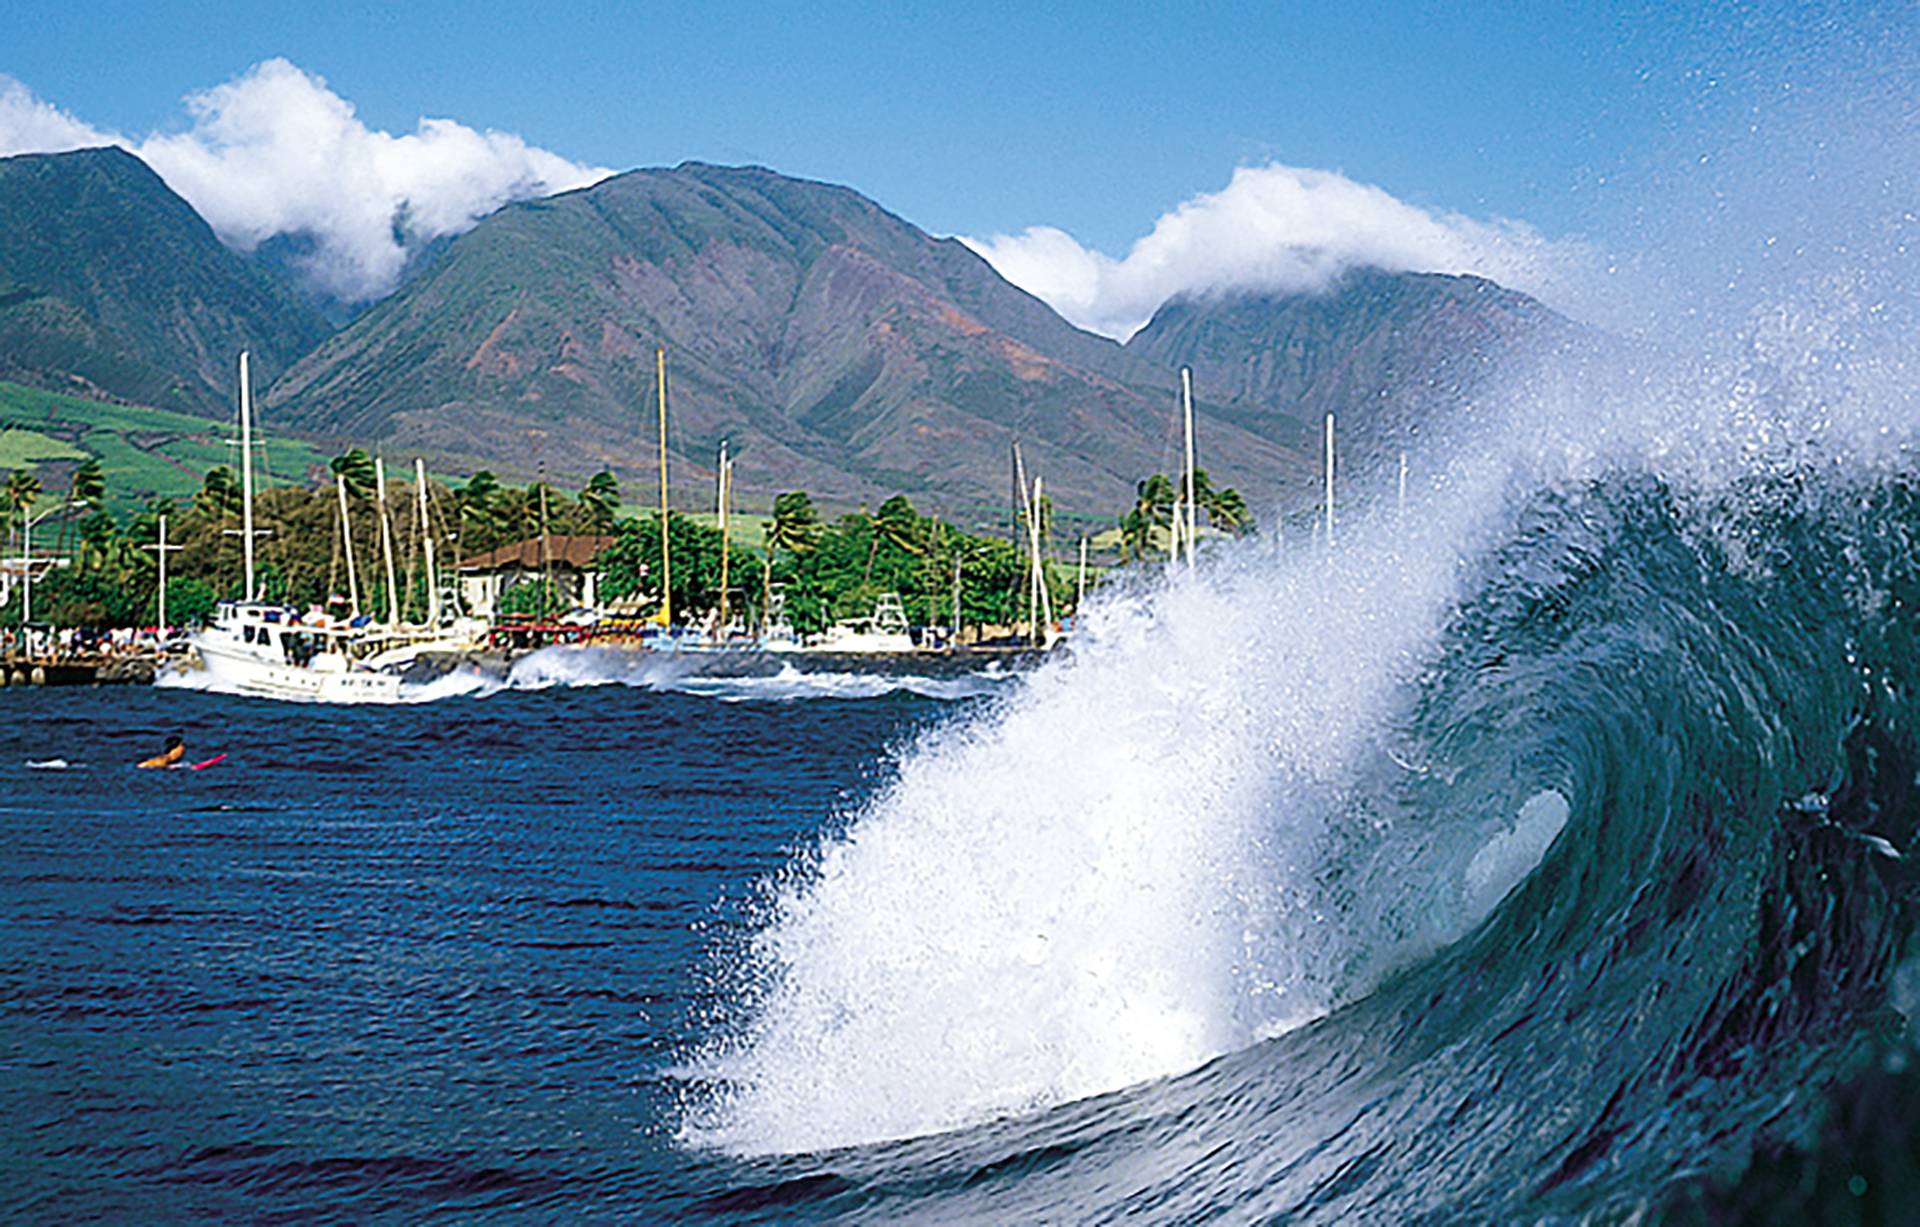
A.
pixel 20 670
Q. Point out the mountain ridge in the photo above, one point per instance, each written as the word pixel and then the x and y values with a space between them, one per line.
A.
pixel 111 283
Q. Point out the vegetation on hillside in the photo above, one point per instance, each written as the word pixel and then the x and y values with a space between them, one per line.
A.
pixel 112 285
pixel 147 453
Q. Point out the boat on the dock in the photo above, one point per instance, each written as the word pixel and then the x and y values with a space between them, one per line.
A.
pixel 885 630
pixel 263 648
pixel 258 648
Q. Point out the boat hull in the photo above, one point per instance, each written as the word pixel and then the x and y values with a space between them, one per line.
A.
pixel 242 672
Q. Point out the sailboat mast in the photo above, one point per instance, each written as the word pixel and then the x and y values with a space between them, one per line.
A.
pixel 546 548
pixel 1042 599
pixel 426 535
pixel 1329 481
pixel 666 558
pixel 246 472
pixel 386 540
pixel 161 548
pixel 1080 593
pixel 1173 530
pixel 725 494
pixel 1186 399
pixel 346 539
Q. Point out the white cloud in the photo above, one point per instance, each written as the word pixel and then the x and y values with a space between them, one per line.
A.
pixel 275 151
pixel 28 125
pixel 1275 228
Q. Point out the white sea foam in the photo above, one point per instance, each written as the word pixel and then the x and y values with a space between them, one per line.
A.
pixel 1108 877
pixel 1177 843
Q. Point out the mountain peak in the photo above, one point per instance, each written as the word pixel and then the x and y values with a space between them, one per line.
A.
pixel 110 282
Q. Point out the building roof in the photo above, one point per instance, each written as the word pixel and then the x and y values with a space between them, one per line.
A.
pixel 565 550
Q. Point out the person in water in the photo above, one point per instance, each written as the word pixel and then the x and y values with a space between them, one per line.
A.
pixel 175 751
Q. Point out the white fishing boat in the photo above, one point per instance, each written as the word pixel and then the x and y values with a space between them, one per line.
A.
pixel 884 630
pixel 258 647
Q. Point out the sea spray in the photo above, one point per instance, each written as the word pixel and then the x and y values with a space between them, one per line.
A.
pixel 1225 814
pixel 1115 873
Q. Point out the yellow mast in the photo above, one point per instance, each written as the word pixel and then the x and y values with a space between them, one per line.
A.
pixel 666 562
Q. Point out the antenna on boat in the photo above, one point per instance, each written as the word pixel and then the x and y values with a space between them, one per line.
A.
pixel 666 558
pixel 1329 481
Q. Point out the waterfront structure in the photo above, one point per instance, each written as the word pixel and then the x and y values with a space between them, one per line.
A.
pixel 570 560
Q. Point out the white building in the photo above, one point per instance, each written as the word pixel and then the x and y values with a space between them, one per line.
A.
pixel 486 578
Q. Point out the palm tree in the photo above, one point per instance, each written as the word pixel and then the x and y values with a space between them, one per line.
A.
pixel 1227 510
pixel 86 488
pixel 479 511
pixel 89 485
pixel 601 499
pixel 356 467
pixel 219 494
pixel 23 489
pixel 1154 498
pixel 795 526
pixel 897 524
pixel 1136 533
pixel 99 533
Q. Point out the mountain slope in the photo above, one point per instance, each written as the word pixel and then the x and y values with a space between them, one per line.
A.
pixel 111 284
pixel 840 349
pixel 1383 350
pixel 837 347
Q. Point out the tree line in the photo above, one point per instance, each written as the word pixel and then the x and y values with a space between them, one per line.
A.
pixel 819 570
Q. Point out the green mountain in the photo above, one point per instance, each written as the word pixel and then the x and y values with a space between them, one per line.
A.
pixel 836 348
pixel 112 286
pixel 1384 351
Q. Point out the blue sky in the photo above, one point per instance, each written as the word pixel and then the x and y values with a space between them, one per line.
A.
pixel 968 118
pixel 989 119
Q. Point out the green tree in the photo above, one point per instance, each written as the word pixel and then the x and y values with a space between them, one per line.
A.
pixel 795 527
pixel 632 563
pixel 356 468
pixel 190 601
pixel 88 485
pixel 219 494
pixel 23 490
pixel 601 500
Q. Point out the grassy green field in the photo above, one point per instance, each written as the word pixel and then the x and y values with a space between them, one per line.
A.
pixel 146 452
pixel 30 447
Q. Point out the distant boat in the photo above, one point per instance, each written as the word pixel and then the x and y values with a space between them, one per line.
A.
pixel 883 631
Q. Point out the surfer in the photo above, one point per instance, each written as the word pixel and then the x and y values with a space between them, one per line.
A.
pixel 175 751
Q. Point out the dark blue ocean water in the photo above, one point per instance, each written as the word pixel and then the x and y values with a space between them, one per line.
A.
pixel 382 962
pixel 1583 892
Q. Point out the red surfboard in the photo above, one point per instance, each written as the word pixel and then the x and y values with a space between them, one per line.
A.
pixel 211 762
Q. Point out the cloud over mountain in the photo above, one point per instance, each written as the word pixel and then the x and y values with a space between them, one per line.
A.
pixel 1272 228
pixel 275 151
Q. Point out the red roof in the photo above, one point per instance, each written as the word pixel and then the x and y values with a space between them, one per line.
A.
pixel 530 555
